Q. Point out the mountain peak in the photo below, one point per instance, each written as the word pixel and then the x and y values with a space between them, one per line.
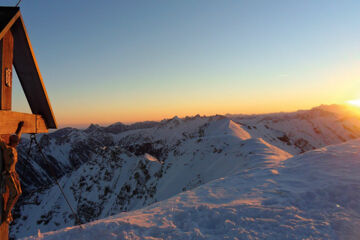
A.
pixel 92 127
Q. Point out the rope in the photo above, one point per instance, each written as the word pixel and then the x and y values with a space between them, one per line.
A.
pixel 33 139
pixel 18 3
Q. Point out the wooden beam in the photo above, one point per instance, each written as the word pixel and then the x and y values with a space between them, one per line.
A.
pixel 4 231
pixel 29 74
pixel 6 60
pixel 8 19
pixel 32 123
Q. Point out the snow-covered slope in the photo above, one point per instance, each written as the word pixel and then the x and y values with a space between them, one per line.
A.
pixel 118 180
pixel 311 196
pixel 108 170
pixel 303 130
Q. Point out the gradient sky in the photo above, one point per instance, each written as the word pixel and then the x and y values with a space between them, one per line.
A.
pixel 109 61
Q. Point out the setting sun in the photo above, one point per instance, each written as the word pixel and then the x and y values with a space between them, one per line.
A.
pixel 355 102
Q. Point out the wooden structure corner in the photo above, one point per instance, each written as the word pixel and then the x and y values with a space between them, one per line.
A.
pixel 16 51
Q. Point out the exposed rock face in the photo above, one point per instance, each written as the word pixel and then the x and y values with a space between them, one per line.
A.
pixel 107 170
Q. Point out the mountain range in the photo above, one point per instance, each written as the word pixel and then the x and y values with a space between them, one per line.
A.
pixel 134 169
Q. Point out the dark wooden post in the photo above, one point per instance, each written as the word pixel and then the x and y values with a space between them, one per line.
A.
pixel 6 53
pixel 4 226
pixel 6 63
pixel 4 231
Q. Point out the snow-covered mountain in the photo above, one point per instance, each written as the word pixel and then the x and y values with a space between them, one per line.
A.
pixel 108 170
pixel 314 195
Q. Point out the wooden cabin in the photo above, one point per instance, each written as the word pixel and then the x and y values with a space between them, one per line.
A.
pixel 16 50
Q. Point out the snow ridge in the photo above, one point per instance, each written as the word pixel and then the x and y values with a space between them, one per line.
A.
pixel 126 169
pixel 310 196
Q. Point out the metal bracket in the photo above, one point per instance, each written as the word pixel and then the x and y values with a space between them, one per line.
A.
pixel 8 74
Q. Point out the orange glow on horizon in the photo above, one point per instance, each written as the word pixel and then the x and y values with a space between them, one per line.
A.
pixel 84 118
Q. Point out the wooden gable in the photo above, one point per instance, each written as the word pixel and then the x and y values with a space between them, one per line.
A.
pixel 16 50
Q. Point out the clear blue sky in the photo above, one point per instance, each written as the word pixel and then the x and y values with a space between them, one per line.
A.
pixel 108 61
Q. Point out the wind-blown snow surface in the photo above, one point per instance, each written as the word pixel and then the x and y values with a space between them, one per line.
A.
pixel 108 170
pixel 311 196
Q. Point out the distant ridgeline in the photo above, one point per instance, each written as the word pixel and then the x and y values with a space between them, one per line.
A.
pixel 108 170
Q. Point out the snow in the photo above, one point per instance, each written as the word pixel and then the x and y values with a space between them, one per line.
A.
pixel 314 195
pixel 227 127
pixel 236 159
